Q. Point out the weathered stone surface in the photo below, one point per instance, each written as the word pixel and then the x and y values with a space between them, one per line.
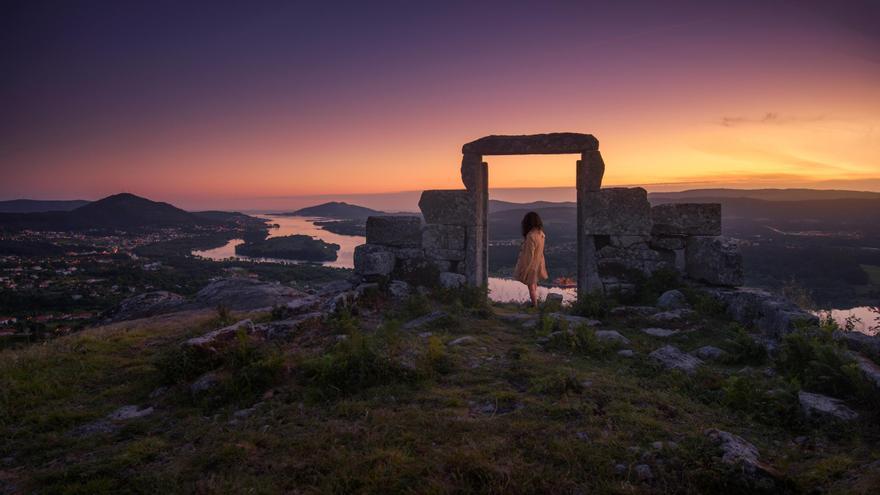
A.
pixel 534 144
pixel 216 339
pixel 467 339
pixel 868 368
pixel 399 289
pixel 627 353
pixel 659 332
pixel 686 219
pixel 617 211
pixel 671 357
pixel 671 243
pixel 574 321
pixel 450 280
pixel 736 450
pixel 672 299
pixel 397 231
pixel 283 329
pixel 619 261
pixel 126 413
pixel 672 315
pixel 628 241
pixel 474 173
pixel 147 304
pixel 242 294
pixel 611 336
pixel 449 207
pixel 424 320
pixel 860 342
pixel 708 353
pixel 373 259
pixel 714 260
pixel 444 242
pixel 592 167
pixel 205 382
pixel 821 406
pixel 773 315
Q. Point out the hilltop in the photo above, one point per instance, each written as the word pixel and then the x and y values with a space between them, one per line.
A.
pixel 336 209
pixel 368 390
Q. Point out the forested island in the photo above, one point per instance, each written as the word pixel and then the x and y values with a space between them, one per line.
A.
pixel 291 247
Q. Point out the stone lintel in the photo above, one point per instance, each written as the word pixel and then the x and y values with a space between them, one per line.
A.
pixel 535 144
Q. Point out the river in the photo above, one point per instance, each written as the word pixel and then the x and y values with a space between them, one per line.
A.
pixel 500 289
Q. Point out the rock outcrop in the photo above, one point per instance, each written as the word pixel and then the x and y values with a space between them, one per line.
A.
pixel 773 315
pixel 823 407
pixel 672 358
pixel 714 260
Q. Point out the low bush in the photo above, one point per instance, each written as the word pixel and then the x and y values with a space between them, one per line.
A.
pixel 581 340
pixel 751 397
pixel 592 305
pixel 744 349
pixel 819 364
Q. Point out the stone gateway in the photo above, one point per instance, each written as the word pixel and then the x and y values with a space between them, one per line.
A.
pixel 620 236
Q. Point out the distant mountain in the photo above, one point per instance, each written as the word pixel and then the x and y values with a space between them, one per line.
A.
pixel 496 206
pixel 38 206
pixel 121 212
pixel 763 194
pixel 335 209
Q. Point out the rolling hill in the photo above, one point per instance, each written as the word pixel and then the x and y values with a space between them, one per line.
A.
pixel 39 206
pixel 336 209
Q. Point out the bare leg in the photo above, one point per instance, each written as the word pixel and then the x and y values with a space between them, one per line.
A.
pixel 533 293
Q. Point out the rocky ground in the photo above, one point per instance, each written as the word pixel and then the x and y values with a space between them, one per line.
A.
pixel 388 390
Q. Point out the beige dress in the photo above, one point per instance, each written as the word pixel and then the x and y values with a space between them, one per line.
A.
pixel 530 268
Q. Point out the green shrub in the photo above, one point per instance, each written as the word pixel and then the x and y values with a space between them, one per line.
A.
pixel 704 304
pixel 815 360
pixel 750 396
pixel 592 305
pixel 356 363
pixel 181 364
pixel 561 382
pixel 581 340
pixel 743 349
pixel 435 361
pixel 416 305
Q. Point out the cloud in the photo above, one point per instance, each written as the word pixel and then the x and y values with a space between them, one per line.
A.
pixel 769 118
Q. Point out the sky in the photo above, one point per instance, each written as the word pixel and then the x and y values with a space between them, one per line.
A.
pixel 262 104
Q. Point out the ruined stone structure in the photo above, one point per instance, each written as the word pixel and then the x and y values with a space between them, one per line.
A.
pixel 619 234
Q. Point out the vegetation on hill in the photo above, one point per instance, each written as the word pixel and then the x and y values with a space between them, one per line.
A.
pixel 472 401
pixel 292 247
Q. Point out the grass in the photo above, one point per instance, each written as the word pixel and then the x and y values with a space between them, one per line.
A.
pixel 386 410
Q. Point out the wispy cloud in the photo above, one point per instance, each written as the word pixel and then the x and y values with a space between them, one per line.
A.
pixel 769 118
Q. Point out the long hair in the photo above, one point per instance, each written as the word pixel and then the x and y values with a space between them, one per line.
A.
pixel 531 221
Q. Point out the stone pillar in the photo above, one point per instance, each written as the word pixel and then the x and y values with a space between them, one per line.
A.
pixel 589 172
pixel 475 176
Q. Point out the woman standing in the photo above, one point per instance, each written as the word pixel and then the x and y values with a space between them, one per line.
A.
pixel 530 268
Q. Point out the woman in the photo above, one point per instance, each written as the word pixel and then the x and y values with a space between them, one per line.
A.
pixel 530 268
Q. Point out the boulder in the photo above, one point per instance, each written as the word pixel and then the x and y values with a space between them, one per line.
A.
pixel 860 342
pixel 283 329
pixel 448 207
pixel 125 413
pixel 773 315
pixel 215 340
pixel 243 294
pixel 708 353
pixel 686 219
pixel 672 299
pixel 672 358
pixel 611 336
pixel 659 332
pixel 373 260
pixel 824 407
pixel 575 321
pixel 735 450
pixel 627 353
pixel 714 260
pixel 399 289
pixel 869 369
pixel 444 242
pixel 617 211
pixel 397 231
pixel 449 280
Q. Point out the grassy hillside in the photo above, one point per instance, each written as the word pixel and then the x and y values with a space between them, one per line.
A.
pixel 470 403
